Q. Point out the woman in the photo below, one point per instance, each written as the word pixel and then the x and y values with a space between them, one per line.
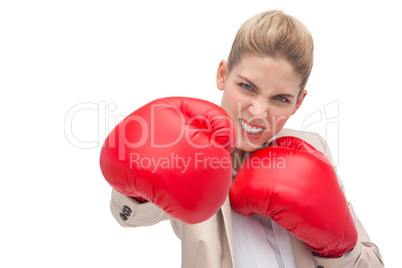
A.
pixel 263 84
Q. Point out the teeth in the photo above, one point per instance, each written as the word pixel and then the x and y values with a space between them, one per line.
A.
pixel 249 129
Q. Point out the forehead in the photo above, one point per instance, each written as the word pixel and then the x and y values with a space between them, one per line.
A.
pixel 267 72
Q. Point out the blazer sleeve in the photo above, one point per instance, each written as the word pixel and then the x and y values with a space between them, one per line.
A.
pixel 130 213
pixel 365 254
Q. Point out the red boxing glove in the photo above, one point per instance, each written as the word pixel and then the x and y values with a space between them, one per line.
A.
pixel 175 153
pixel 297 187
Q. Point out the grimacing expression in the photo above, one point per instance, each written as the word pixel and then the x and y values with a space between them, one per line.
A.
pixel 259 94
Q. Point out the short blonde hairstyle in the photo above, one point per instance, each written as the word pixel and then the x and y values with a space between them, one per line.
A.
pixel 277 35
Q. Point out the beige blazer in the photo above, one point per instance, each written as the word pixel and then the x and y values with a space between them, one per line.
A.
pixel 210 244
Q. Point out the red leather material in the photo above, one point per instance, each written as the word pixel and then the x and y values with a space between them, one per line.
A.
pixel 297 187
pixel 174 152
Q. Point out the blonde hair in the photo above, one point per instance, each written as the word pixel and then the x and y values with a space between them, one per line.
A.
pixel 277 35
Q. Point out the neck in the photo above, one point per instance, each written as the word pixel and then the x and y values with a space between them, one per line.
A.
pixel 238 157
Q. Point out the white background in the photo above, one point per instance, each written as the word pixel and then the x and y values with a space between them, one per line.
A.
pixel 114 56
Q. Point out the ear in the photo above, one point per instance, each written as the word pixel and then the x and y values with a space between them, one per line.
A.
pixel 299 101
pixel 221 75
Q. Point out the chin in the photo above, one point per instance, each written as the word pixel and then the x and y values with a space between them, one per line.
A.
pixel 248 146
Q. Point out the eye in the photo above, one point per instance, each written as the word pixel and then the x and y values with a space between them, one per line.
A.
pixel 247 87
pixel 281 99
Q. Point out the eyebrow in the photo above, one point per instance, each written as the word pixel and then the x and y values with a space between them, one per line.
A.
pixel 286 95
pixel 248 82
pixel 256 88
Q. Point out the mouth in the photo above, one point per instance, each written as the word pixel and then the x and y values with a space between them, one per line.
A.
pixel 249 129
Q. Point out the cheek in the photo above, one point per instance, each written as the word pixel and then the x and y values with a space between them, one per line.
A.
pixel 278 116
pixel 232 102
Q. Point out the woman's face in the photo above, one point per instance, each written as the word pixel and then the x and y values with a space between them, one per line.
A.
pixel 259 94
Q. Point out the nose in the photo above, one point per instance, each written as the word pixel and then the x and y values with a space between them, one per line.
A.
pixel 259 108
